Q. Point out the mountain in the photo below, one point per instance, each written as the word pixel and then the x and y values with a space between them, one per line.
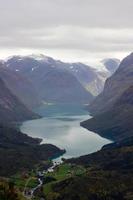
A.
pixel 91 79
pixel 116 123
pixel 114 117
pixel 11 109
pixel 111 64
pixel 114 87
pixel 20 86
pixel 18 152
pixel 41 73
pixel 36 68
pixel 61 86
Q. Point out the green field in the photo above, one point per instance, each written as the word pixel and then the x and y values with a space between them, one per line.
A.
pixel 29 182
pixel 63 172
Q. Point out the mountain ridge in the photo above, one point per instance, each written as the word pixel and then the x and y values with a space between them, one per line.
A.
pixel 35 67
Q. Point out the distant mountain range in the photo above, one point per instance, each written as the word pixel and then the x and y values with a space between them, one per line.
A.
pixel 25 82
pixel 44 79
pixel 113 108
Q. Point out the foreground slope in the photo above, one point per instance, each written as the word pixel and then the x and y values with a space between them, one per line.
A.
pixel 19 152
pixel 108 175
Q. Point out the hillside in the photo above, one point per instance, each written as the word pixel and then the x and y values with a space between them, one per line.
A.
pixel 116 123
pixel 19 152
pixel 20 86
pixel 106 174
pixel 61 86
pixel 114 87
pixel 11 109
pixel 113 109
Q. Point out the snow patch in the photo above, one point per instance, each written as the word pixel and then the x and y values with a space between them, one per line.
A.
pixel 39 57
pixel 71 67
pixel 34 68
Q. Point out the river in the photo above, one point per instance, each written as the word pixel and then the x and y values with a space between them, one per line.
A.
pixel 60 125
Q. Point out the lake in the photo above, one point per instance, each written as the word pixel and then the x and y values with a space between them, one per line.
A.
pixel 60 126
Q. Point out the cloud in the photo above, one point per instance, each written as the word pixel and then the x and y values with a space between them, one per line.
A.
pixel 87 27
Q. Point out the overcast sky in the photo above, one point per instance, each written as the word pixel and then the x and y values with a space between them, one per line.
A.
pixel 71 30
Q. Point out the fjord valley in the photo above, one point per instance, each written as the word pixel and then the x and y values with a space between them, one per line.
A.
pixel 66 100
pixel 108 172
pixel 45 153
pixel 112 109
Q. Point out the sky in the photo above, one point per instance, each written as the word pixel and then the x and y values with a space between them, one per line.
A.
pixel 71 30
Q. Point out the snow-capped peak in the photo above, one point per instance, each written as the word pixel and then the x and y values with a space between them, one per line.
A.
pixel 39 57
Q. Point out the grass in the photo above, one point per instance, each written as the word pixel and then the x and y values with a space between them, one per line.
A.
pixel 61 173
pixel 47 188
pixel 20 182
pixel 66 170
pixel 33 182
